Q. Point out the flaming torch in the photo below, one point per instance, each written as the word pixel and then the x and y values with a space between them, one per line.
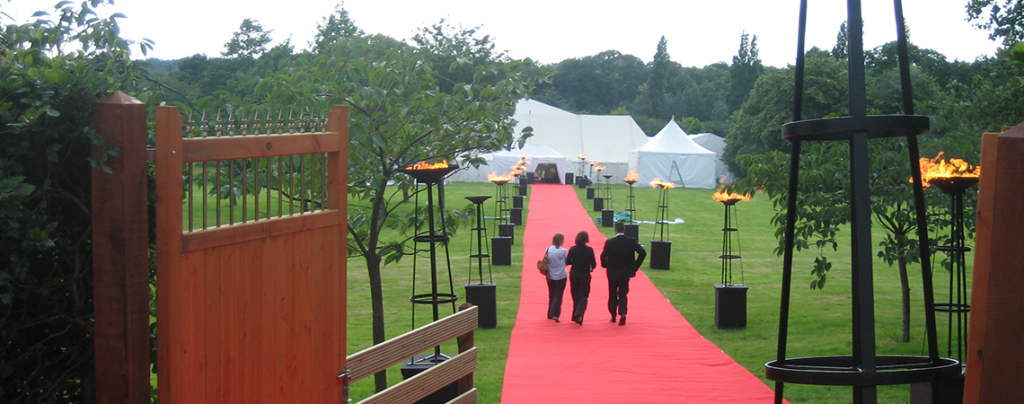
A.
pixel 661 249
pixel 583 162
pixel 953 178
pixel 632 230
pixel 432 174
pixel 730 298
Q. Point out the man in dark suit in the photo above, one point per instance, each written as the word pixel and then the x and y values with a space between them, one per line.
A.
pixel 621 256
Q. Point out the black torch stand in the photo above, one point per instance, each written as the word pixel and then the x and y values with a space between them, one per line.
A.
pixel 730 298
pixel 432 237
pixel 632 230
pixel 480 293
pixel 863 370
pixel 957 308
pixel 607 213
pixel 661 249
pixel 501 246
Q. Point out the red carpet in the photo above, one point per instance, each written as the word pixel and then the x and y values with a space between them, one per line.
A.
pixel 657 357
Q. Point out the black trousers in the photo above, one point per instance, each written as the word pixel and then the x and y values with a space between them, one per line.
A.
pixel 617 291
pixel 555 291
pixel 579 287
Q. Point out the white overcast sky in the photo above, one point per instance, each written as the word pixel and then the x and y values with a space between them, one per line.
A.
pixel 698 32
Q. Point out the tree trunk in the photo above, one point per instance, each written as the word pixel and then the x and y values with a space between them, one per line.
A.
pixel 905 294
pixel 380 379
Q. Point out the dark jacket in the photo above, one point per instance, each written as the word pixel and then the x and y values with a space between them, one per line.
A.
pixel 622 256
pixel 581 258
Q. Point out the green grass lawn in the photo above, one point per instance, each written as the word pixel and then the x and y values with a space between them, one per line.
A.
pixel 819 319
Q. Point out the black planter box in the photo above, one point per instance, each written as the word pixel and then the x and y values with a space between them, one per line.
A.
pixel 607 217
pixel 517 201
pixel 568 178
pixel 516 216
pixel 730 306
pixel 522 189
pixel 507 230
pixel 484 296
pixel 944 391
pixel 661 251
pixel 582 181
pixel 501 251
pixel 418 364
pixel 598 204
pixel 590 193
pixel 632 230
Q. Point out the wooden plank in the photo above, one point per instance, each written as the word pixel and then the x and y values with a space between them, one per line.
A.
pixel 468 397
pixel 120 235
pixel 328 325
pixel 381 356
pixel 242 232
pixel 216 301
pixel 169 281
pixel 423 384
pixel 240 147
pixel 982 266
pixel 1002 351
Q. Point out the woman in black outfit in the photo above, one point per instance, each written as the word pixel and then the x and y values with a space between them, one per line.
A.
pixel 581 257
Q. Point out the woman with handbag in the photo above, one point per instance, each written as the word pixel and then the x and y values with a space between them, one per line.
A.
pixel 581 258
pixel 556 275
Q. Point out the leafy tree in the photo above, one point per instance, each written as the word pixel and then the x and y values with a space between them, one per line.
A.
pixel 842 43
pixel 599 83
pixel 248 42
pixel 754 128
pixel 334 28
pixel 401 115
pixel 746 68
pixel 1005 19
pixel 653 98
pixel 54 68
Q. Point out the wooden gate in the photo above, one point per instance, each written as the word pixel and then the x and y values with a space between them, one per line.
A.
pixel 251 311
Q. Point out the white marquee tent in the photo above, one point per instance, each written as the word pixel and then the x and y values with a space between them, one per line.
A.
pixel 673 157
pixel 501 162
pixel 716 144
pixel 606 139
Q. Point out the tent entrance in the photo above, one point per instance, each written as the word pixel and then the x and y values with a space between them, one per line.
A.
pixel 547 173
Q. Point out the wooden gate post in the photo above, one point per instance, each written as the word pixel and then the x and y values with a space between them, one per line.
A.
pixel 121 254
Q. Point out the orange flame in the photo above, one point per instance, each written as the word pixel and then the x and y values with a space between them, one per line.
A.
pixel 940 169
pixel 599 168
pixel 582 157
pixel 655 183
pixel 722 195
pixel 632 177
pixel 425 166
pixel 504 178
pixel 592 163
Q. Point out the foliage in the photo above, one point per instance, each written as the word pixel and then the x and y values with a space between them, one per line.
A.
pixel 248 42
pixel 54 69
pixel 746 68
pixel 334 28
pixel 755 128
pixel 1005 18
pixel 600 83
pixel 405 109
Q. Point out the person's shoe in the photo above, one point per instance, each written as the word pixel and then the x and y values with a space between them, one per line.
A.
pixel 577 320
pixel 622 320
pixel 557 320
pixel 613 318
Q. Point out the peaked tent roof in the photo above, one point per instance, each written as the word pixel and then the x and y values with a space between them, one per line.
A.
pixel 531 151
pixel 672 139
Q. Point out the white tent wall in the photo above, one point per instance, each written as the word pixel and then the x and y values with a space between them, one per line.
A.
pixel 606 139
pixel 716 144
pixel 683 170
pixel 501 163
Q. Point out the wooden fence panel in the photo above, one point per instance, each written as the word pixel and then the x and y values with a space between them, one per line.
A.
pixel 251 312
